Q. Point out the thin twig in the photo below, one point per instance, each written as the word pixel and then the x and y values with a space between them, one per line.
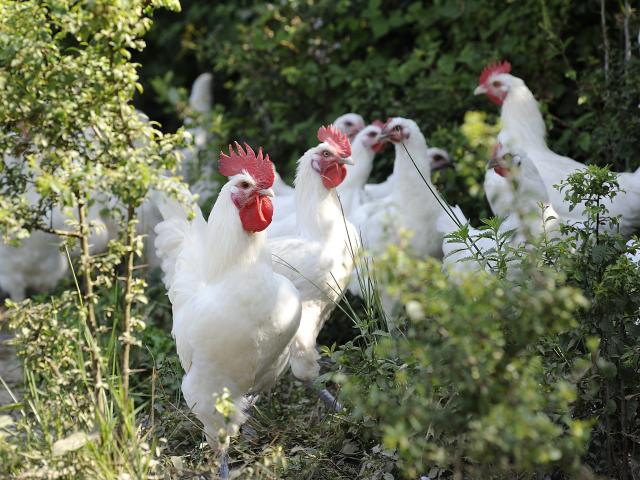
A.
pixel 61 233
pixel 127 300
pixel 85 262
pixel 627 36
pixel 605 40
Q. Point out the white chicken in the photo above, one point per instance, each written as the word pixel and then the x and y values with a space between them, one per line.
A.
pixel 351 191
pixel 318 258
pixel 411 204
pixel 364 146
pixel 634 257
pixel 349 124
pixel 199 178
pixel 233 316
pixel 523 128
pixel 531 215
pixel 36 264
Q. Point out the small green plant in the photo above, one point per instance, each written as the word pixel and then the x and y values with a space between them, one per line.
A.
pixel 601 354
pixel 462 388
pixel 71 141
pixel 470 247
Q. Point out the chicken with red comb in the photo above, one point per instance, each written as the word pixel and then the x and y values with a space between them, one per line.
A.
pixel 489 82
pixel 256 211
pixel 350 179
pixel 523 129
pixel 315 254
pixel 349 124
pixel 238 161
pixel 233 316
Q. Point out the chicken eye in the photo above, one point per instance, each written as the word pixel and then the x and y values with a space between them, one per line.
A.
pixel 497 84
pixel 371 134
pixel 348 124
pixel 244 185
pixel 325 153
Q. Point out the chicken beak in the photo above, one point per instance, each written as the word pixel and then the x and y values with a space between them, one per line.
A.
pixel 441 162
pixel 480 90
pixel 346 161
pixel 383 136
pixel 268 192
pixel 493 163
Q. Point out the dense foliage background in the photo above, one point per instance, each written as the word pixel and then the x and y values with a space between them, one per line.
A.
pixel 281 68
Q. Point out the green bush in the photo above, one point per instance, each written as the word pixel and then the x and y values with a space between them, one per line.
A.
pixel 71 139
pixel 464 387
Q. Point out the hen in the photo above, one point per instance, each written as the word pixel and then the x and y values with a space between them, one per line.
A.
pixel 318 258
pixel 523 128
pixel 411 204
pixel 531 215
pixel 350 191
pixel 36 264
pixel 349 124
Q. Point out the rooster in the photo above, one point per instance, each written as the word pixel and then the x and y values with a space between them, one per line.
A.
pixel 523 128
pixel 318 258
pixel 350 124
pixel 233 316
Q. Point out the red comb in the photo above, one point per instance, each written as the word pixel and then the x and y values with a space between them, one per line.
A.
pixel 493 68
pixel 336 139
pixel 259 167
pixel 378 123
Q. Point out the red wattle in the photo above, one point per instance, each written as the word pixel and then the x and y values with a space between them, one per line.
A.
pixel 333 175
pixel 496 99
pixel 501 171
pixel 256 215
pixel 378 147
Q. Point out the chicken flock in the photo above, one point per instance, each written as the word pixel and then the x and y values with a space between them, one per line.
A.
pixel 252 286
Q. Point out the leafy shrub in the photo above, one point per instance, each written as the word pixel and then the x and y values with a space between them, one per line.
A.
pixel 604 346
pixel 71 139
pixel 464 387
